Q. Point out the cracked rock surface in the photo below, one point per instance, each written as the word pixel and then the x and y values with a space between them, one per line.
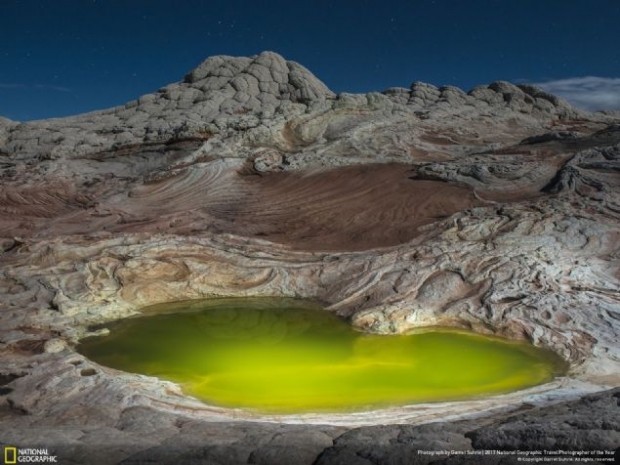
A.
pixel 496 210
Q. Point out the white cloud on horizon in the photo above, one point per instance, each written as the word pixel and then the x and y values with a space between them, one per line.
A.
pixel 590 93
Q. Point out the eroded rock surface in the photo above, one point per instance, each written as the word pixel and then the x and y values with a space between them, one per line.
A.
pixel 496 210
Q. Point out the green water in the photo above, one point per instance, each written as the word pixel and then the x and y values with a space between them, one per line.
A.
pixel 285 356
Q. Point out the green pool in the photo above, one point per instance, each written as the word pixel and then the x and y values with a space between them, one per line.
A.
pixel 286 356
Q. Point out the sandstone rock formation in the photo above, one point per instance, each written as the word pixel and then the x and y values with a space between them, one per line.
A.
pixel 496 210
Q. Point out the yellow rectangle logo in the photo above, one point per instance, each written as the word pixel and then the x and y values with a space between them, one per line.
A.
pixel 10 455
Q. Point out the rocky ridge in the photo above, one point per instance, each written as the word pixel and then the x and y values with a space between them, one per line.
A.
pixel 250 177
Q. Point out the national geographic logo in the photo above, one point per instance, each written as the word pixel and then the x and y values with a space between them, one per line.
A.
pixel 10 455
pixel 14 455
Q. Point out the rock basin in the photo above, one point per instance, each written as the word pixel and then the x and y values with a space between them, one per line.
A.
pixel 278 355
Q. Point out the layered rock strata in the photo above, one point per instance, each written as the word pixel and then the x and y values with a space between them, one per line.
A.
pixel 496 210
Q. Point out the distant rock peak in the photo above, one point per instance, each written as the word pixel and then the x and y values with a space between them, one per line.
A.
pixel 267 73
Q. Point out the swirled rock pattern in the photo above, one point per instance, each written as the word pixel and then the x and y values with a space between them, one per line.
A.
pixel 496 210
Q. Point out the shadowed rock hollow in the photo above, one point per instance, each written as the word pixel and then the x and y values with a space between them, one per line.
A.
pixel 496 210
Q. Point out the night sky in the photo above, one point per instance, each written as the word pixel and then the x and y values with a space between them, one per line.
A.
pixel 62 57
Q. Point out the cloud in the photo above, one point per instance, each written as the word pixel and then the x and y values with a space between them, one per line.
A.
pixel 589 92
pixel 6 85
pixel 48 87
pixel 13 86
